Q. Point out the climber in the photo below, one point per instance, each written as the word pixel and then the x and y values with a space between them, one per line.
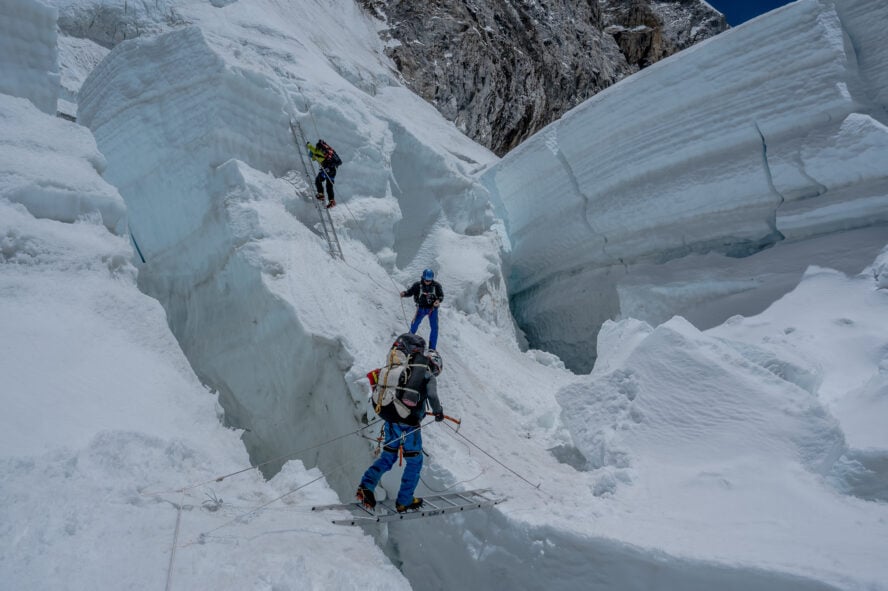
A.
pixel 329 160
pixel 428 295
pixel 406 385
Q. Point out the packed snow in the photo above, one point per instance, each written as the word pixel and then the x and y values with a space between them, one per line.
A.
pixel 184 375
pixel 772 133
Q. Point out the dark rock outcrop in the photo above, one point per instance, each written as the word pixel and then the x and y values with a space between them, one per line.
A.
pixel 649 31
pixel 503 69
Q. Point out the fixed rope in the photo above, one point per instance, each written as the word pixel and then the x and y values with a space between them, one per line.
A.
pixel 479 448
pixel 367 240
pixel 169 580
pixel 341 467
pixel 256 466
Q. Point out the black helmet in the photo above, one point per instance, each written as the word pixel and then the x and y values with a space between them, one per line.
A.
pixel 409 343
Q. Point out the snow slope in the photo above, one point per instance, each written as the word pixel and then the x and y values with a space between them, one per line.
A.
pixel 770 133
pixel 686 460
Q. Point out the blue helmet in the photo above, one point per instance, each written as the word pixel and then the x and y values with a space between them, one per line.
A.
pixel 428 274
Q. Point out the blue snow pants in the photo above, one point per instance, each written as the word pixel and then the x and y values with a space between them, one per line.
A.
pixel 432 313
pixel 398 435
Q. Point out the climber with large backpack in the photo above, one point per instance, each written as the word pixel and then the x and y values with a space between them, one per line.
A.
pixel 329 160
pixel 401 390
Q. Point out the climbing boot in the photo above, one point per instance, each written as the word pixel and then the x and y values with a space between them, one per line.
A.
pixel 331 204
pixel 366 497
pixel 413 506
pixel 320 196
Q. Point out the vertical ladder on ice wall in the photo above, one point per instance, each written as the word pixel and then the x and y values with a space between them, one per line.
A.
pixel 308 168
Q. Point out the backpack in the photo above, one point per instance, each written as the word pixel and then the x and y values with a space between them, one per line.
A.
pixel 329 153
pixel 398 384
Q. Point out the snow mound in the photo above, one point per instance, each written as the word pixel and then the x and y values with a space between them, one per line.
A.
pixel 849 375
pixel 678 395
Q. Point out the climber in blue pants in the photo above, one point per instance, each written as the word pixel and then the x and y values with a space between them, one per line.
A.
pixel 410 438
pixel 432 313
pixel 428 295
pixel 403 414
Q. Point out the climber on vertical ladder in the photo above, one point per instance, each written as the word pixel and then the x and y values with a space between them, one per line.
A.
pixel 308 169
pixel 329 160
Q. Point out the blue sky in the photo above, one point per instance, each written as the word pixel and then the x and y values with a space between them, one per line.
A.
pixel 739 11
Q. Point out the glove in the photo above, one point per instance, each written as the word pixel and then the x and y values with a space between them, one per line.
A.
pixel 439 416
pixel 403 294
pixel 436 303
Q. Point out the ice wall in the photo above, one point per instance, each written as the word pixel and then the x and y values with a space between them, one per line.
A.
pixel 103 416
pixel 196 128
pixel 53 168
pixel 182 162
pixel 28 52
pixel 236 120
pixel 774 131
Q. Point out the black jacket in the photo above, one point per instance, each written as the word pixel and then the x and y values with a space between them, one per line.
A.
pixel 424 295
pixel 425 382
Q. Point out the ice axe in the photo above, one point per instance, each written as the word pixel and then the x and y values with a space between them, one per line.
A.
pixel 449 418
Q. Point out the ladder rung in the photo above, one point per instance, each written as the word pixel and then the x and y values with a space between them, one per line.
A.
pixel 449 501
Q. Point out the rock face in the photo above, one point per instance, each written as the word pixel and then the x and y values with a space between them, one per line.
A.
pixel 650 31
pixel 503 69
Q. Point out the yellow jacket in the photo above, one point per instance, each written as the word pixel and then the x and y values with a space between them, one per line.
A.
pixel 316 153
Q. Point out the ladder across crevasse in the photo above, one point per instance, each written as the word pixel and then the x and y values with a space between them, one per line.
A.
pixel 436 504
pixel 308 168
